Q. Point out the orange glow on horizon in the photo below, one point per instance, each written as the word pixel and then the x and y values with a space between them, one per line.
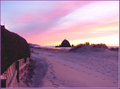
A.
pixel 78 22
pixel 107 40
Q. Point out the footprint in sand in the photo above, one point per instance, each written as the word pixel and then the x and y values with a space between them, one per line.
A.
pixel 71 67
pixel 112 76
pixel 83 71
pixel 88 73
pixel 55 85
pixel 51 67
pixel 64 64
pixel 102 73
pixel 54 77
pixel 52 73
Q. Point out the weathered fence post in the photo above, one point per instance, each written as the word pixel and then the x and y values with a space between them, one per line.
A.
pixel 25 59
pixel 3 83
pixel 17 68
pixel 27 62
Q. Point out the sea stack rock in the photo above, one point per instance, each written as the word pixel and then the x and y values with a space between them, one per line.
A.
pixel 65 43
pixel 13 47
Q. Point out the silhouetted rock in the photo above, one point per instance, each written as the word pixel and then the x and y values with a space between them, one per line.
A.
pixel 13 47
pixel 72 45
pixel 65 43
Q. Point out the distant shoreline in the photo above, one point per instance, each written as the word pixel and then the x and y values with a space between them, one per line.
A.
pixel 53 47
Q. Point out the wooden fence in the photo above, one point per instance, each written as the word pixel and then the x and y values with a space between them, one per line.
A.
pixel 14 73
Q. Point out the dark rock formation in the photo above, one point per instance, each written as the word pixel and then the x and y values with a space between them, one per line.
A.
pixel 65 43
pixel 13 47
pixel 72 45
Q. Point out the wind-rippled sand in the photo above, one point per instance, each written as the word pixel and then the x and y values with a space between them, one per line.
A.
pixel 75 69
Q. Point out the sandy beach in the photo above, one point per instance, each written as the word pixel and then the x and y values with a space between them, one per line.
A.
pixel 60 44
pixel 56 68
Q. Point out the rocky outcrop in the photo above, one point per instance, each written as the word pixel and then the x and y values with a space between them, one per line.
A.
pixel 65 43
pixel 13 47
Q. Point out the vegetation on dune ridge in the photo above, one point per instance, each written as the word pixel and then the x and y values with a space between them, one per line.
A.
pixel 101 45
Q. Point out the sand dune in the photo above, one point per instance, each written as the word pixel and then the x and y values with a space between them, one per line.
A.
pixel 75 69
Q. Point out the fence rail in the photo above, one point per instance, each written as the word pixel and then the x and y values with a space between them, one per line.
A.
pixel 14 73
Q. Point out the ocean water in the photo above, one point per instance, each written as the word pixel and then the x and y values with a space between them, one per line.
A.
pixel 53 47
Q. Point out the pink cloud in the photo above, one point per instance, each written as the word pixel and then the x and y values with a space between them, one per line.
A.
pixel 23 19
pixel 42 26
pixel 83 30
pixel 50 16
pixel 64 8
pixel 53 15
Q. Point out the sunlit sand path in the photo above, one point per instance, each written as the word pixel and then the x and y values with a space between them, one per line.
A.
pixel 57 69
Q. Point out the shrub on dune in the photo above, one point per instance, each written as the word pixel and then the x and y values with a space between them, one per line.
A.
pixel 114 49
pixel 13 47
pixel 87 46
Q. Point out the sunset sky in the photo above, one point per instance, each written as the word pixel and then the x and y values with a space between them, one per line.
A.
pixel 47 23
